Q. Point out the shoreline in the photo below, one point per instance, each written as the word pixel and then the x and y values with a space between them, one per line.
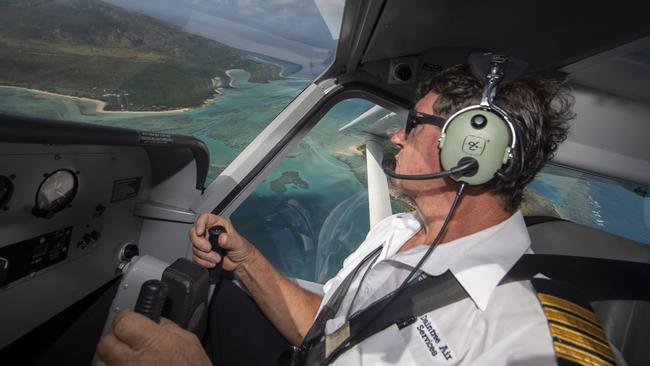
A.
pixel 99 105
pixel 282 68
pixel 258 59
pixel 230 78
pixel 231 83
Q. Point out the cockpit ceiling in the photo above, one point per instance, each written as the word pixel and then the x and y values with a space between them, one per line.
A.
pixel 623 71
pixel 548 34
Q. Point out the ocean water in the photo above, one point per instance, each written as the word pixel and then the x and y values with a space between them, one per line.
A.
pixel 304 232
pixel 309 224
pixel 227 125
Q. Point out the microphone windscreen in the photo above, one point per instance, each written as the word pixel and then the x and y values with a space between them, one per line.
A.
pixel 388 164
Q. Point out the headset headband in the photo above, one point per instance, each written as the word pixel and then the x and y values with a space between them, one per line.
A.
pixel 495 71
pixel 465 135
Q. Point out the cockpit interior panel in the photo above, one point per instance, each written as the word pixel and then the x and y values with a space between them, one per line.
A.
pixel 74 212
pixel 62 255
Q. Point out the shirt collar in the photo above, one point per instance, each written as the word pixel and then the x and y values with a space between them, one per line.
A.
pixel 478 261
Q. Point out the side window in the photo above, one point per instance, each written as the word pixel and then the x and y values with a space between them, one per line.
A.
pixel 619 207
pixel 311 212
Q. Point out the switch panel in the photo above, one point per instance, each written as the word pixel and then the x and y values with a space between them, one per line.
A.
pixel 31 255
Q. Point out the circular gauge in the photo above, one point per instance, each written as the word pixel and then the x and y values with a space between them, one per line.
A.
pixel 55 192
pixel 6 190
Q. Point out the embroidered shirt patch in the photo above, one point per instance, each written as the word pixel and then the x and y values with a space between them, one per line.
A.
pixel 431 338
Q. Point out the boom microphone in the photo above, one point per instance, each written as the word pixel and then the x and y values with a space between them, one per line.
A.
pixel 466 168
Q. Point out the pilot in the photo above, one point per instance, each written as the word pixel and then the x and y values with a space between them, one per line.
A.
pixel 493 324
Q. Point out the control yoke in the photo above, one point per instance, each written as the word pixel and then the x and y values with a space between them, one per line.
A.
pixel 214 232
pixel 181 294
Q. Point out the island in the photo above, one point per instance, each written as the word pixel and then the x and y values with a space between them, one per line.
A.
pixel 129 61
pixel 292 178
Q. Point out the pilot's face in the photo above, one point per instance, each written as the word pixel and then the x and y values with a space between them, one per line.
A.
pixel 418 152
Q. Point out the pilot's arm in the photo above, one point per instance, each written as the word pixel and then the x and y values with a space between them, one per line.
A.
pixel 290 308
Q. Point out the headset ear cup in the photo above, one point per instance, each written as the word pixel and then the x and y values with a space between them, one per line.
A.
pixel 480 133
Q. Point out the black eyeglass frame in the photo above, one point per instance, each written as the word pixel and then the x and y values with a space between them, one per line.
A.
pixel 414 118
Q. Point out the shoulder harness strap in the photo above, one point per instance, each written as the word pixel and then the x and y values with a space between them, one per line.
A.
pixel 415 300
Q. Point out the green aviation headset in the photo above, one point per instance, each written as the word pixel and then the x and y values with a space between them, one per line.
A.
pixel 484 132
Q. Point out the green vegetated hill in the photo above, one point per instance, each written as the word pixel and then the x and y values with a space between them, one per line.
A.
pixel 88 48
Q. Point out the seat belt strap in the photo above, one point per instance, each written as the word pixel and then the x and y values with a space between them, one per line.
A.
pixel 597 278
pixel 415 300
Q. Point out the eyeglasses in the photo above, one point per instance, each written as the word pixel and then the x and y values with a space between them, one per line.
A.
pixel 414 118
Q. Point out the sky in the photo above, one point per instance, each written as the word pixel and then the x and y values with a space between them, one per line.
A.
pixel 290 30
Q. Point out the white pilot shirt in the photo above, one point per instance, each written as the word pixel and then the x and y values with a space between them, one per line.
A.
pixel 496 325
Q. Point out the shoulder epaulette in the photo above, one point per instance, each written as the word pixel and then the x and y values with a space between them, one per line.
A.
pixel 578 338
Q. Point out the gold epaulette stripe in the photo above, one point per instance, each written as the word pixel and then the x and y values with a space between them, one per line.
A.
pixel 555 301
pixel 578 356
pixel 565 318
pixel 579 339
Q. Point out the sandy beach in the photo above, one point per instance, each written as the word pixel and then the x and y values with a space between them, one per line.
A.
pixel 229 72
pixel 350 151
pixel 100 105
pixel 230 79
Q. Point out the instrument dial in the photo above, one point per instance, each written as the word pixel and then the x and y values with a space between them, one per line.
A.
pixel 55 193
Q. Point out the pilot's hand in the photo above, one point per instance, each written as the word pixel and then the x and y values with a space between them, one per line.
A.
pixel 137 340
pixel 238 249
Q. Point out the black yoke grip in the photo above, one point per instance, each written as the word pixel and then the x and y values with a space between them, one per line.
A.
pixel 151 299
pixel 214 232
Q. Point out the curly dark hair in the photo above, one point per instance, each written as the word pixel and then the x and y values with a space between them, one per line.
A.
pixel 540 107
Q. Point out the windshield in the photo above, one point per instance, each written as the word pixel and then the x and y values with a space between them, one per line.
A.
pixel 218 70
